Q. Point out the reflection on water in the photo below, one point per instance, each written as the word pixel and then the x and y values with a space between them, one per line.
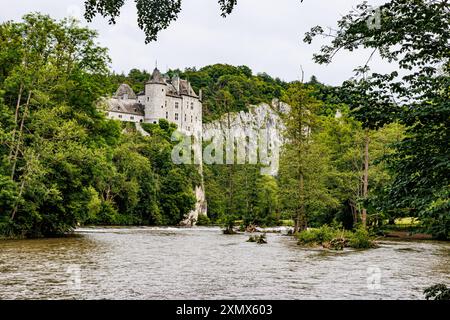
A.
pixel 202 263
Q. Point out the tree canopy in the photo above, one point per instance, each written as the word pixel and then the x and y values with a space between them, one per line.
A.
pixel 62 162
pixel 152 15
pixel 414 37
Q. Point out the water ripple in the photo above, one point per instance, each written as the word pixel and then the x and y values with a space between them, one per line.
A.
pixel 202 263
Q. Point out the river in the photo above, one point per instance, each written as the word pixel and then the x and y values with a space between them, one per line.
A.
pixel 202 263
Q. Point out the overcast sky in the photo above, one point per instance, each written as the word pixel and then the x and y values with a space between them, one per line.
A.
pixel 265 35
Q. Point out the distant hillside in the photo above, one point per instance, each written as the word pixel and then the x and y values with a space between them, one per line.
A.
pixel 226 88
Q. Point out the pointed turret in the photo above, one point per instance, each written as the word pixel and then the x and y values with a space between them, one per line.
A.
pixel 157 77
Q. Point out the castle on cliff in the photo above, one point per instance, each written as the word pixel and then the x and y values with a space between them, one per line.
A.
pixel 163 98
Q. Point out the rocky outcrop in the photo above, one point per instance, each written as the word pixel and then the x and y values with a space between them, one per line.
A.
pixel 265 121
pixel 200 208
pixel 262 116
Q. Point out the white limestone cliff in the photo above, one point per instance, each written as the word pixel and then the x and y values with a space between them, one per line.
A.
pixel 260 118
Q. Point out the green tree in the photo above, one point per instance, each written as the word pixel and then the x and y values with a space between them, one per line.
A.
pixel 51 80
pixel 415 35
pixel 176 197
pixel 153 15
pixel 300 122
pixel 267 204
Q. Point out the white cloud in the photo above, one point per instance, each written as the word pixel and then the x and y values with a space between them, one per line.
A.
pixel 265 35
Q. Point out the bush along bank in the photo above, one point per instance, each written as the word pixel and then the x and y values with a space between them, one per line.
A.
pixel 334 238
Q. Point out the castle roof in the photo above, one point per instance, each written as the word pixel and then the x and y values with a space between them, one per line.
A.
pixel 157 77
pixel 180 87
pixel 125 106
pixel 186 88
pixel 175 87
pixel 125 89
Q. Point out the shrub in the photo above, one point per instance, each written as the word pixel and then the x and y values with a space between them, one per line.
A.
pixel 228 223
pixel 203 220
pixel 316 236
pixel 8 230
pixel 107 215
pixel 335 238
pixel 149 127
pixel 360 239
pixel 437 292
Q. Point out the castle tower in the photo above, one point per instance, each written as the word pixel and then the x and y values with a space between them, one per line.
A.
pixel 155 97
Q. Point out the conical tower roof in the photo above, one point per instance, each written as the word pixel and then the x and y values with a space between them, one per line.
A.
pixel 157 77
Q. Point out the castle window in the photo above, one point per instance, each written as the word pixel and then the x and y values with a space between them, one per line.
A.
pixel 131 118
pixel 162 107
pixel 185 118
pixel 167 115
pixel 148 98
pixel 120 116
pixel 196 119
pixel 165 103
pixel 176 105
pixel 154 122
pixel 192 106
pixel 176 116
pixel 191 118
pixel 140 120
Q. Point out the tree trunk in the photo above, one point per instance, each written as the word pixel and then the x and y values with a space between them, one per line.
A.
pixel 16 118
pixel 354 211
pixel 297 222
pixel 16 206
pixel 231 167
pixel 302 224
pixel 300 219
pixel 19 138
pixel 365 177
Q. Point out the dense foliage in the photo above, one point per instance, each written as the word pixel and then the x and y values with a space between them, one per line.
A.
pixel 153 15
pixel 437 292
pixel 62 163
pixel 415 35
pixel 367 152
pixel 330 155
pixel 336 238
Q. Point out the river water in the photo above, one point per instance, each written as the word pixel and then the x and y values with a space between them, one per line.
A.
pixel 202 263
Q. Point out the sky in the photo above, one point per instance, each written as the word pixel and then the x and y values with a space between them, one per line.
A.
pixel 265 35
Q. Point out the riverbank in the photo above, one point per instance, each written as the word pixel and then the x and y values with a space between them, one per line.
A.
pixel 407 235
